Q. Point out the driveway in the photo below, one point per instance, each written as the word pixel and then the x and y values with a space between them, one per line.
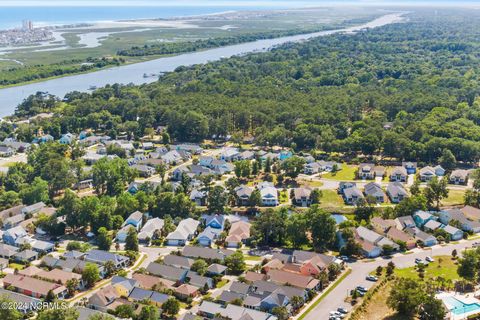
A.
pixel 361 269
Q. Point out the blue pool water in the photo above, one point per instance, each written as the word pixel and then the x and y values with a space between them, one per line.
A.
pixel 460 307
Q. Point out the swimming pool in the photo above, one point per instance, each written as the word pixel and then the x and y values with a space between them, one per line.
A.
pixel 459 307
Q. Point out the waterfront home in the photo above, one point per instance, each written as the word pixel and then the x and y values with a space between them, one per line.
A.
pixel 352 195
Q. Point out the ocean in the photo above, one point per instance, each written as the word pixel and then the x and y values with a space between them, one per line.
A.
pixel 11 17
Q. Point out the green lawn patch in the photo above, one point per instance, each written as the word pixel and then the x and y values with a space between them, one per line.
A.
pixel 455 197
pixel 222 283
pixel 330 198
pixel 18 266
pixel 253 258
pixel 347 173
pixel 443 267
pixel 324 294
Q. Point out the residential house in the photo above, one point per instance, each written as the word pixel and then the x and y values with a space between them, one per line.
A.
pixel 399 174
pixel 246 155
pixel 427 173
pixel 33 287
pixel 11 235
pixel 425 238
pixel 471 213
pixel 422 217
pixel 450 215
pixel 177 275
pixel 312 168
pixel 33 209
pixel 66 138
pixel 404 222
pixel 374 190
pixel 178 261
pixel 293 279
pixel 24 304
pixel 196 280
pixel 432 225
pixel 6 151
pixel 13 221
pixel 190 148
pixel 396 192
pixel 149 229
pixel 459 176
pixel 329 166
pixel 229 154
pixel 221 167
pixel 345 185
pixel 455 234
pixel 206 253
pixel 25 256
pixel 302 197
pixel 411 167
pixel 352 195
pixel 7 251
pixel 144 170
pixel 199 197
pixel 184 232
pixel 135 219
pixel 150 282
pixel 243 193
pixel 208 236
pixel 101 257
pixel 239 233
pixel 216 269
pixel 381 225
pixel 103 298
pixel 365 171
pixel 399 236
pixel 269 194
pixel 370 237
pixel 209 310
pixel 186 291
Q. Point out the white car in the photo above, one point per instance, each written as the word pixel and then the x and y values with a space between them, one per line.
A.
pixel 429 259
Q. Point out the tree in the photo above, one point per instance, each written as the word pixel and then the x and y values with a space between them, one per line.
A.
pixel 468 265
pixel 255 199
pixel 37 191
pixel 50 297
pixel 323 228
pixel 406 296
pixel 281 313
pixel 217 200
pixel 125 311
pixel 131 242
pixel 71 285
pixel 111 176
pixel 390 268
pixel 316 196
pixel 235 263
pixel 104 241
pixel 364 210
pixel 297 227
pixel 432 309
pixel 90 274
pixel 149 313
pixel 293 166
pixel 415 188
pixel 447 160
pixel 69 207
pixel 9 313
pixel 435 191
pixel 199 266
pixel 171 307
pixel 296 302
pixel 408 206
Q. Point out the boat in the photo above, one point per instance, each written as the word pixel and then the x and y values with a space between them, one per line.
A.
pixel 92 88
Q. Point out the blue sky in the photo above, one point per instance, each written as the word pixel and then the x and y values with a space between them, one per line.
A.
pixel 250 3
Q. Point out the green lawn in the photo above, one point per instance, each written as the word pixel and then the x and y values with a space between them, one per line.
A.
pixel 16 266
pixel 222 283
pixel 347 173
pixel 443 267
pixel 253 258
pixel 331 199
pixel 455 197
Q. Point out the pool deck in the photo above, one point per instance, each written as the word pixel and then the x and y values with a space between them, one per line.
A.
pixel 467 299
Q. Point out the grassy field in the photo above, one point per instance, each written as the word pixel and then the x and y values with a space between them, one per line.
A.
pixel 331 199
pixel 443 267
pixel 455 197
pixel 347 173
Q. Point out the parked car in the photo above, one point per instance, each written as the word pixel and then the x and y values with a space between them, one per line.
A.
pixel 429 259
pixel 418 261
pixel 371 278
pixel 344 258
pixel 362 289
pixel 342 310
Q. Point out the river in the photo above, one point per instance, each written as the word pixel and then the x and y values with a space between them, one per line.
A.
pixel 133 73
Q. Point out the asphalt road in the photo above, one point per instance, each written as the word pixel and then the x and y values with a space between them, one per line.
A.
pixel 361 269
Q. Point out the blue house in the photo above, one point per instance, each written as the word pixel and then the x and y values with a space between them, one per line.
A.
pixel 422 217
pixel 215 221
pixel 410 166
pixel 43 139
pixel 207 236
pixel 11 235
pixel 285 155
pixel 135 219
pixel 66 138
pixel 82 135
